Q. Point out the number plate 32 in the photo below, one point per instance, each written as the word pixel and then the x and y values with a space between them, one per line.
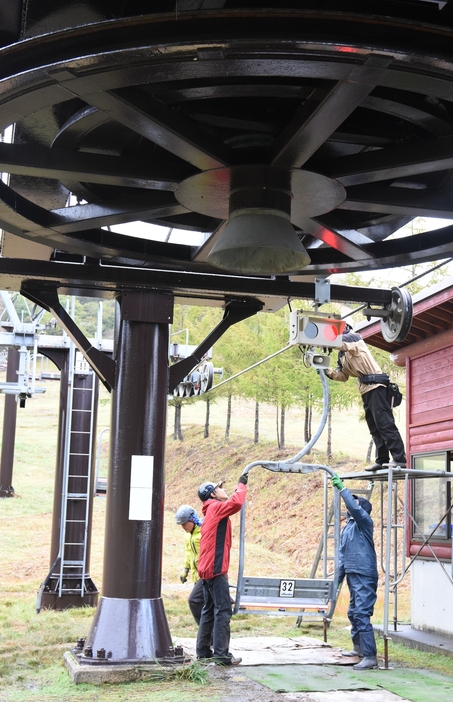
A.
pixel 287 588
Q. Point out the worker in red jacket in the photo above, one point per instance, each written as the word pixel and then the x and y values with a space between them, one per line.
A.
pixel 213 564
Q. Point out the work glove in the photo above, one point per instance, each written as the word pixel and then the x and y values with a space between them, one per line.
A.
pixel 337 482
pixel 183 576
pixel 243 479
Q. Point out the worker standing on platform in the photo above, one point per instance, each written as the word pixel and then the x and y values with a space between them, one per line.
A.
pixel 358 563
pixel 187 517
pixel 213 564
pixel 355 360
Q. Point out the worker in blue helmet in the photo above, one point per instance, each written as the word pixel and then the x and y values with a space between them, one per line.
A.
pixel 358 564
pixel 216 537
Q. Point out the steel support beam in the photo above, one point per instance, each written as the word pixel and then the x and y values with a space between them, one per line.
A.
pixel 130 622
pixel 9 427
pixel 22 274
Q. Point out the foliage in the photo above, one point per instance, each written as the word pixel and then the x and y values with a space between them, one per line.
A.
pixel 193 672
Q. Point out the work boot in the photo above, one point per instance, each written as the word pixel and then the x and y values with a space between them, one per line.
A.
pixel 375 466
pixel 355 653
pixel 399 464
pixel 230 660
pixel 367 663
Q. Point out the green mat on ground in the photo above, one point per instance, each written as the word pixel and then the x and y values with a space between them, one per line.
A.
pixel 414 685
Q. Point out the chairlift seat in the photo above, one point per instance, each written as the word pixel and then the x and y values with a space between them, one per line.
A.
pixel 285 596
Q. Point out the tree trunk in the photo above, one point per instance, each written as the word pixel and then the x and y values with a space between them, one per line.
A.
pixel 329 433
pixel 177 432
pixel 282 427
pixel 257 423
pixel 368 453
pixel 228 419
pixel 277 426
pixel 206 424
pixel 306 424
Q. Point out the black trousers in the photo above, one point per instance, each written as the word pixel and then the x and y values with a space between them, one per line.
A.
pixel 381 423
pixel 196 600
pixel 215 620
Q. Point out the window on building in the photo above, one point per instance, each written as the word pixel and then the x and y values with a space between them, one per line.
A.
pixel 432 498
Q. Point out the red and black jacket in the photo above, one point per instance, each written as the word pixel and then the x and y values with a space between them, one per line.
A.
pixel 215 544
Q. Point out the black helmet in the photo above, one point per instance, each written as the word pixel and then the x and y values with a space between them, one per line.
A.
pixel 206 489
pixel 184 514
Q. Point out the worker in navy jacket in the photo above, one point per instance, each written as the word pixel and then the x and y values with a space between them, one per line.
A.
pixel 358 563
pixel 213 564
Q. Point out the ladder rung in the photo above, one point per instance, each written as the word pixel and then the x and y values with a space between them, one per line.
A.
pixel 79 454
pixel 75 521
pixel 72 564
pixel 77 496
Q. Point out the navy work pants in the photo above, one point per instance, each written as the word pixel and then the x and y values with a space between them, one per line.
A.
pixel 362 591
pixel 381 423
pixel 215 620
pixel 196 600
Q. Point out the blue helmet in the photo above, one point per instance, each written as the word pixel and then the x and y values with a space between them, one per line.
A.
pixel 206 489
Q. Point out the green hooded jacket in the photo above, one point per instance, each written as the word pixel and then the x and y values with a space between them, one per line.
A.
pixel 192 551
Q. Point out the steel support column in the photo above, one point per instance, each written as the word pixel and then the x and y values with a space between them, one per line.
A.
pixel 9 427
pixel 130 623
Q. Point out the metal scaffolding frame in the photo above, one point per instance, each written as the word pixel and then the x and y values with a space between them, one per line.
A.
pixel 389 525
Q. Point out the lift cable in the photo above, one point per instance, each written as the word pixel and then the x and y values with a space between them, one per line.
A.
pixel 408 282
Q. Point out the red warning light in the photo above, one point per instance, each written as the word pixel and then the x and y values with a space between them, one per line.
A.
pixel 330 332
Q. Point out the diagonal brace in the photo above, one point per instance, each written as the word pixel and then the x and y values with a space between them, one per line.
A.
pixel 235 312
pixel 102 365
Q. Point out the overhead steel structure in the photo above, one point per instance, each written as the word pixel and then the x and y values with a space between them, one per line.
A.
pixel 296 137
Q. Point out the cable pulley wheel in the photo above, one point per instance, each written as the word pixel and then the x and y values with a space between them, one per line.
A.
pixel 396 326
pixel 207 376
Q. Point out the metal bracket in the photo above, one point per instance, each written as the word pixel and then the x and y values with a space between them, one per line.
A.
pixel 102 365
pixel 234 312
pixel 322 292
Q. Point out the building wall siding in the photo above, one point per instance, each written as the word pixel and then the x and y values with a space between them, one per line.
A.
pixel 430 401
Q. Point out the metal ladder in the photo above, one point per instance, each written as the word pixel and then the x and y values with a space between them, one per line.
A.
pixel 76 496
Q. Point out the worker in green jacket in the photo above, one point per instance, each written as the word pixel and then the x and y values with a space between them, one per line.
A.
pixel 187 517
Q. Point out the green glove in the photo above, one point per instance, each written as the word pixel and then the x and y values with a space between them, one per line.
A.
pixel 337 482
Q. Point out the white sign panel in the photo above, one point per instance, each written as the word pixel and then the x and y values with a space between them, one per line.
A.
pixel 140 500
pixel 81 365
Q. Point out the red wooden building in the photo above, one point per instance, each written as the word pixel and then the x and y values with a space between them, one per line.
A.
pixel 427 355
